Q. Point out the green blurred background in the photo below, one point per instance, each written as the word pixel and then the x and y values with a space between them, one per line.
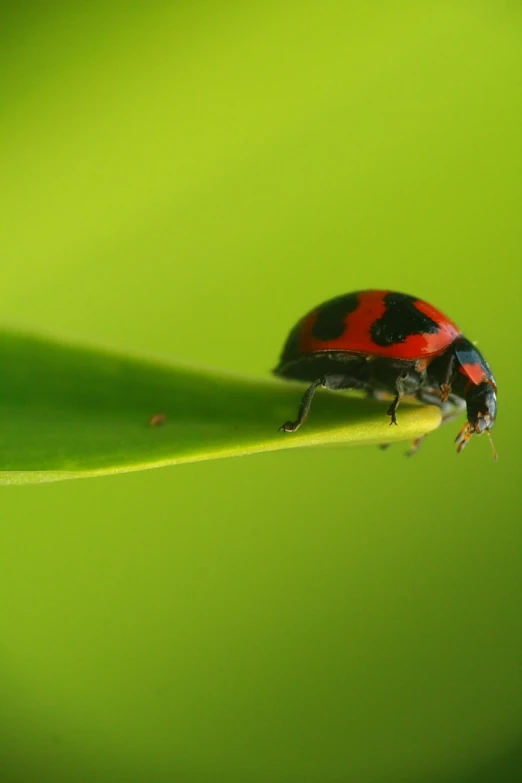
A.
pixel 185 180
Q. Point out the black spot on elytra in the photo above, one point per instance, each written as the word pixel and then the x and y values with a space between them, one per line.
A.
pixel 329 324
pixel 401 320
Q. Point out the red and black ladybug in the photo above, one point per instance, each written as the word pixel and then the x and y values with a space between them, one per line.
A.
pixel 383 341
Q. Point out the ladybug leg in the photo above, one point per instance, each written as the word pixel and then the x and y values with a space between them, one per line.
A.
pixel 392 410
pixel 451 408
pixel 406 383
pixel 332 382
pixel 415 446
pixel 304 408
pixel 445 386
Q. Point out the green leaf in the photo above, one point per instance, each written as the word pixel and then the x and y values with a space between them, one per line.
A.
pixel 69 411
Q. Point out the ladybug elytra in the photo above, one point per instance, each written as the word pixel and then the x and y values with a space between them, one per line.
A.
pixel 383 341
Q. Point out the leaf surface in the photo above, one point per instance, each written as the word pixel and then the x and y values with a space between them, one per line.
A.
pixel 69 411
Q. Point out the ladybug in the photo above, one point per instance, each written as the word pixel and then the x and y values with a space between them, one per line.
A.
pixel 387 342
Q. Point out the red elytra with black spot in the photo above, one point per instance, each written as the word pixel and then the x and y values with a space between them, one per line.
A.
pixel 357 326
pixel 384 341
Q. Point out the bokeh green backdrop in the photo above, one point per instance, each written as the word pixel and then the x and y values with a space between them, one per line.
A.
pixel 185 180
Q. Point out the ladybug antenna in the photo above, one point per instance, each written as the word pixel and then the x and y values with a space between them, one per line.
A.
pixel 495 455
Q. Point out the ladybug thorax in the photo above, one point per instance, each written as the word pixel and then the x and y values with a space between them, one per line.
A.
pixel 471 363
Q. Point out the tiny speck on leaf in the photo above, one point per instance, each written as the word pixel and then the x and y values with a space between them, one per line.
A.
pixel 157 420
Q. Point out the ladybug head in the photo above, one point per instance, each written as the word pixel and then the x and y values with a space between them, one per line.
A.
pixel 479 390
pixel 481 403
